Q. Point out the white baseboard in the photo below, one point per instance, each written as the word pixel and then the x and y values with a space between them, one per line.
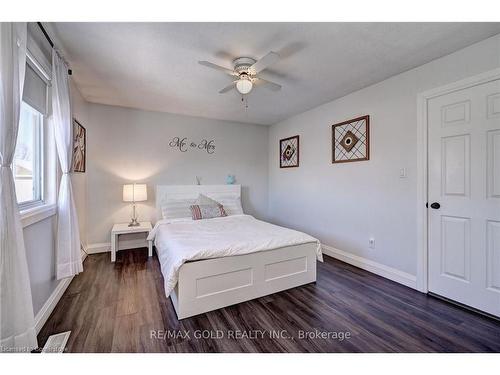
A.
pixel 95 248
pixel 49 305
pixel 104 247
pixel 371 266
pixel 84 251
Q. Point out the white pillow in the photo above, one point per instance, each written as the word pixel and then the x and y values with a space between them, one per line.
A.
pixel 231 203
pixel 177 208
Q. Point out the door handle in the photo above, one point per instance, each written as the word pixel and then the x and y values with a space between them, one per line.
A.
pixel 435 205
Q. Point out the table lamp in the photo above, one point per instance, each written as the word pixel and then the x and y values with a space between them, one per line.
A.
pixel 134 193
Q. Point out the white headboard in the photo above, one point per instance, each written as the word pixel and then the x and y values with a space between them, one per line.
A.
pixel 192 191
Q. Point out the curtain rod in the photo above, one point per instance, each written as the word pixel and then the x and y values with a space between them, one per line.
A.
pixel 70 72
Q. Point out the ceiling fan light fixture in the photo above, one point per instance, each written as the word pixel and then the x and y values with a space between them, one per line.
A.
pixel 245 70
pixel 244 86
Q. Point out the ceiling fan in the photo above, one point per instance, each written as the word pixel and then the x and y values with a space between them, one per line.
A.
pixel 245 71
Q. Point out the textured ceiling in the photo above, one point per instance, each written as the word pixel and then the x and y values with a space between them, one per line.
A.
pixel 154 66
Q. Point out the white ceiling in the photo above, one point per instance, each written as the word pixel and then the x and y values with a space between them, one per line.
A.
pixel 154 66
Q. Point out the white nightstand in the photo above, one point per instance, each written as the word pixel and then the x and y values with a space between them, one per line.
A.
pixel 125 229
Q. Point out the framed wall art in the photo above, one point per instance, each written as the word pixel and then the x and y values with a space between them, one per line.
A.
pixel 351 140
pixel 79 147
pixel 289 152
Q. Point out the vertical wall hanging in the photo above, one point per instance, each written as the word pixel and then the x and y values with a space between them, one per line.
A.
pixel 79 147
pixel 351 140
pixel 289 152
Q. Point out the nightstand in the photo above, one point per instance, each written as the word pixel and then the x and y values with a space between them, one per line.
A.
pixel 144 227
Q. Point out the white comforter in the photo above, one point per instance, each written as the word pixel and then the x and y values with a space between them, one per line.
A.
pixel 182 241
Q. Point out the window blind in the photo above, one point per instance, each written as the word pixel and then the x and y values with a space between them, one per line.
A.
pixel 35 90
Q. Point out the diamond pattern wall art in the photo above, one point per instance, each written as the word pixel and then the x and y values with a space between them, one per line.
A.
pixel 351 140
pixel 289 152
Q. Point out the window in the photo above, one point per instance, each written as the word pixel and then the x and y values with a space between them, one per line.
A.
pixel 28 158
pixel 34 165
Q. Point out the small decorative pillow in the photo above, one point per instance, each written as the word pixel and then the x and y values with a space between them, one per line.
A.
pixel 207 211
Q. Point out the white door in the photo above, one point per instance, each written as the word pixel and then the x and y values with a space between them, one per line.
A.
pixel 464 179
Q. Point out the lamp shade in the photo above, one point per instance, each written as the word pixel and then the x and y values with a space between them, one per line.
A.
pixel 135 193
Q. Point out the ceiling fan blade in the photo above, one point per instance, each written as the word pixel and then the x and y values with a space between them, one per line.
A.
pixel 264 62
pixel 227 88
pixel 218 67
pixel 268 84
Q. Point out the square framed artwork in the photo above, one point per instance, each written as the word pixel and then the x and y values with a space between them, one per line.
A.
pixel 79 147
pixel 289 152
pixel 351 140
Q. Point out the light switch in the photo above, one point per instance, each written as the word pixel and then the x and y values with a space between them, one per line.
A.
pixel 402 173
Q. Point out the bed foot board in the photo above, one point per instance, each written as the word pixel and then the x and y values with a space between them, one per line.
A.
pixel 215 283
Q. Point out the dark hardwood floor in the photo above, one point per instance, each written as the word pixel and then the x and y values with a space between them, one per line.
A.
pixel 115 307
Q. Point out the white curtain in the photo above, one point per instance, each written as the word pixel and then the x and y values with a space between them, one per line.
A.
pixel 68 255
pixel 17 326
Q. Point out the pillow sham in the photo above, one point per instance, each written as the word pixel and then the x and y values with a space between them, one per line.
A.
pixel 203 199
pixel 207 211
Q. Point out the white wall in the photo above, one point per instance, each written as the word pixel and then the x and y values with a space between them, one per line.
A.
pixel 79 180
pixel 40 254
pixel 346 204
pixel 127 145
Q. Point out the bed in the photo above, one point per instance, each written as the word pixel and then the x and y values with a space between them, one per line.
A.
pixel 213 263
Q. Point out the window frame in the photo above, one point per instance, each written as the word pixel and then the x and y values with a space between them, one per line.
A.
pixel 46 208
pixel 50 171
pixel 38 163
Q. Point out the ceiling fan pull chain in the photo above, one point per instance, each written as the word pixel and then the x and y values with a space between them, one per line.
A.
pixel 244 100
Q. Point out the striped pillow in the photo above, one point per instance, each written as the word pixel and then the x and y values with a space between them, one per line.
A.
pixel 177 208
pixel 207 211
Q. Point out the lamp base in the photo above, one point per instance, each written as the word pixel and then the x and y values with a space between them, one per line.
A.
pixel 134 223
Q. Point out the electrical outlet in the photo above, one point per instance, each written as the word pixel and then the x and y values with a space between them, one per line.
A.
pixel 371 243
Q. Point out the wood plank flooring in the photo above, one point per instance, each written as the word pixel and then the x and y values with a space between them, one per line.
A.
pixel 117 307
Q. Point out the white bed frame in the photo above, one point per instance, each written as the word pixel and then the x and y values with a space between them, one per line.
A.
pixel 211 284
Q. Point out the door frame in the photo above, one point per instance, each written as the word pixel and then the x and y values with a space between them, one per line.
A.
pixel 422 164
